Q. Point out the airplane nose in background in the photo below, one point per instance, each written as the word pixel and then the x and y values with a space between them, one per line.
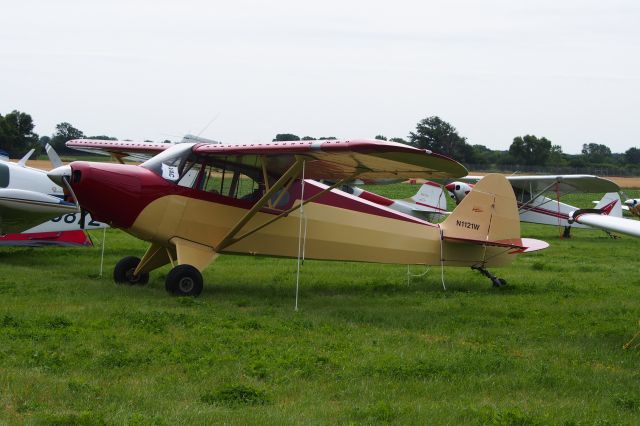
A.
pixel 58 173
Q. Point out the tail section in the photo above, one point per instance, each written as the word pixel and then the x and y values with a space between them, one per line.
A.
pixel 431 196
pixel 484 230
pixel 610 204
pixel 488 213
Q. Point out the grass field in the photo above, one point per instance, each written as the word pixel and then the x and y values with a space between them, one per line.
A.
pixel 366 347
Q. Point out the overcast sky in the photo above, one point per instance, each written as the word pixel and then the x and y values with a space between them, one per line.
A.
pixel 565 69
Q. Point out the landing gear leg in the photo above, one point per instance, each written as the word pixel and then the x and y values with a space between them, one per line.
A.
pixel 497 282
pixel 567 232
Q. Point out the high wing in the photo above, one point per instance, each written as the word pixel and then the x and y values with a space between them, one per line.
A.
pixel 558 184
pixel 593 217
pixel 326 159
pixel 334 159
pixel 121 150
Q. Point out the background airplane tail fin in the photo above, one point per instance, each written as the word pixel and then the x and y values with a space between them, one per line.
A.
pixel 489 213
pixel 610 204
pixel 432 196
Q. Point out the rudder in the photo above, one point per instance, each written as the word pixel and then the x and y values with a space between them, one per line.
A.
pixel 488 213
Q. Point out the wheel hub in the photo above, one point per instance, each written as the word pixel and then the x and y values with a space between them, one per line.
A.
pixel 186 284
pixel 131 277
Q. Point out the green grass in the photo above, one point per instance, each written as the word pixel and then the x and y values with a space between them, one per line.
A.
pixel 365 347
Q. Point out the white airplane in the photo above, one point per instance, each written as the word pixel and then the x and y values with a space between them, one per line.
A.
pixel 597 219
pixel 632 205
pixel 429 203
pixel 33 210
pixel 535 207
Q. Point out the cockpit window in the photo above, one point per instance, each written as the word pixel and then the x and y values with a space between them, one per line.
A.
pixel 171 164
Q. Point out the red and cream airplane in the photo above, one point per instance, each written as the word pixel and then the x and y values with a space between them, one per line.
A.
pixel 195 201
pixel 535 207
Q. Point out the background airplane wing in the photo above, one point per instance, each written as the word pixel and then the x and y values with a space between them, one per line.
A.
pixel 134 151
pixel 609 223
pixel 333 159
pixel 21 209
pixel 562 184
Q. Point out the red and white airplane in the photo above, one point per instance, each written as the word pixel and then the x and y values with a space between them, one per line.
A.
pixel 535 207
pixel 429 203
pixel 195 201
pixel 33 211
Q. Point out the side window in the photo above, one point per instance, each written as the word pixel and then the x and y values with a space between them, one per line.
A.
pixel 231 182
pixel 4 175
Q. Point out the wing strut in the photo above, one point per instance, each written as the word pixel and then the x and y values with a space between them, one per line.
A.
pixel 535 197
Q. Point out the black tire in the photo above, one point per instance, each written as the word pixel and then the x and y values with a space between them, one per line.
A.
pixel 123 272
pixel 184 280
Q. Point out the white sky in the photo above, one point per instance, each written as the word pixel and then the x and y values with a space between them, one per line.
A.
pixel 568 70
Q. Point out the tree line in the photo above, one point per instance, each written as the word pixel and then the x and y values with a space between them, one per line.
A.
pixel 432 133
pixel 437 135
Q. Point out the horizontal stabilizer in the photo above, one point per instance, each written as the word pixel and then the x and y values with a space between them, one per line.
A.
pixel 521 245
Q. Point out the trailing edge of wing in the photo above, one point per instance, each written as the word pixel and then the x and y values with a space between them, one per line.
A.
pixel 334 159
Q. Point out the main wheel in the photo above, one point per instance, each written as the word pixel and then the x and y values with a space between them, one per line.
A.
pixel 123 272
pixel 184 280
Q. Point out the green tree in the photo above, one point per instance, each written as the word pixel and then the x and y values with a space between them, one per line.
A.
pixel 283 137
pixel 596 153
pixel 16 133
pixel 530 150
pixel 381 137
pixel 632 155
pixel 556 157
pixel 308 138
pixel 104 138
pixel 64 133
pixel 399 140
pixel 327 138
pixel 437 135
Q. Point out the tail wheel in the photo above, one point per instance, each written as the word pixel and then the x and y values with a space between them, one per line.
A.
pixel 184 280
pixel 124 269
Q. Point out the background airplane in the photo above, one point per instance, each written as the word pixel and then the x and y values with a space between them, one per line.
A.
pixel 195 201
pixel 33 210
pixel 429 203
pixel 535 207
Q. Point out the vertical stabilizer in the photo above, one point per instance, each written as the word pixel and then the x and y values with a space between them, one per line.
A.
pixel 488 213
pixel 610 204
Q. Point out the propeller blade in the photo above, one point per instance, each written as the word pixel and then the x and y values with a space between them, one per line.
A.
pixel 53 156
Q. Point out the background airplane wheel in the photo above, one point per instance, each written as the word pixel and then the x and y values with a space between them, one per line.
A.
pixel 184 280
pixel 123 272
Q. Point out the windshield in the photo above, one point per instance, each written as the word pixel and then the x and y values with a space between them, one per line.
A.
pixel 171 163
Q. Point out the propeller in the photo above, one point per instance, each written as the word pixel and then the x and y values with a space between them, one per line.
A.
pixel 62 176
pixel 53 156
